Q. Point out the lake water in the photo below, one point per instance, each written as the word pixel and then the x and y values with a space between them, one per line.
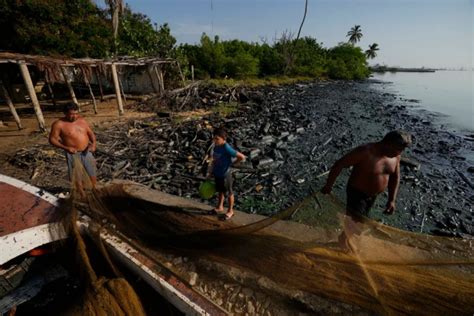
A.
pixel 449 93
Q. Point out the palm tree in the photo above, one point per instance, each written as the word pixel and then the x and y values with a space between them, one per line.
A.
pixel 116 9
pixel 354 34
pixel 372 51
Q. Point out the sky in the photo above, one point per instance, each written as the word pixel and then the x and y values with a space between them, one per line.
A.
pixel 410 33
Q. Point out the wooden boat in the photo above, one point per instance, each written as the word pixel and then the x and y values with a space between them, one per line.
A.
pixel 28 220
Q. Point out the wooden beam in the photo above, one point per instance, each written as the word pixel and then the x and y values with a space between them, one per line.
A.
pixel 153 81
pixel 99 82
pixel 181 73
pixel 159 75
pixel 86 80
pixel 117 88
pixel 6 95
pixel 50 90
pixel 31 91
pixel 192 73
pixel 122 89
pixel 94 103
pixel 69 86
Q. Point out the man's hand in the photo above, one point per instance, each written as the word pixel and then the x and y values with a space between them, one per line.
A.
pixel 326 189
pixel 91 148
pixel 390 208
pixel 71 150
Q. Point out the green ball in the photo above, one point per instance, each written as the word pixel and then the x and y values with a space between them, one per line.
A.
pixel 207 189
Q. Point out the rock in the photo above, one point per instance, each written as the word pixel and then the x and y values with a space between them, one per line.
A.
pixel 266 162
pixel 267 139
pixel 300 130
pixel 254 153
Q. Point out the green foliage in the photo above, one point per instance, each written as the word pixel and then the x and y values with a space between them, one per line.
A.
pixel 55 27
pixel 305 57
pixel 310 58
pixel 346 61
pixel 78 28
pixel 138 38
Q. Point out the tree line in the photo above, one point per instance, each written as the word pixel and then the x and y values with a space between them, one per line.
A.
pixel 79 28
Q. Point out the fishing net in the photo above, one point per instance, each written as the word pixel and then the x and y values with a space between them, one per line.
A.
pixel 358 262
pixel 103 295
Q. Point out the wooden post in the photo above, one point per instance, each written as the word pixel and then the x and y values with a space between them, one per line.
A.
pixel 154 83
pixel 31 91
pixel 181 73
pixel 71 90
pixel 10 105
pixel 123 90
pixel 117 88
pixel 192 73
pixel 97 75
pixel 159 75
pixel 50 90
pixel 94 104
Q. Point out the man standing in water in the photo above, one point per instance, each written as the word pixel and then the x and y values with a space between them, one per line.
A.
pixel 376 166
pixel 73 134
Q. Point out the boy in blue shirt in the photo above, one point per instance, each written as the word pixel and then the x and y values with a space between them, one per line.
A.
pixel 221 161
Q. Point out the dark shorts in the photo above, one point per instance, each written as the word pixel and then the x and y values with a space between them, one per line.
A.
pixel 86 159
pixel 358 203
pixel 224 184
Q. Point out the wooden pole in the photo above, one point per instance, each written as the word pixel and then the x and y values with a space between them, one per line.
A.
pixel 71 90
pixel 10 105
pixel 192 73
pixel 31 91
pixel 94 104
pixel 159 75
pixel 154 83
pixel 123 90
pixel 50 90
pixel 117 88
pixel 97 75
pixel 181 73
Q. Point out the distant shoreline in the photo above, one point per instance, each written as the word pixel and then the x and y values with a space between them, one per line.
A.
pixel 396 69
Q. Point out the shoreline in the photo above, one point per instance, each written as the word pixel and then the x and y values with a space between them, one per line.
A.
pixel 300 130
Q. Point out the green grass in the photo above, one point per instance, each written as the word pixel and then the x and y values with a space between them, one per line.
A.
pixel 225 109
pixel 257 82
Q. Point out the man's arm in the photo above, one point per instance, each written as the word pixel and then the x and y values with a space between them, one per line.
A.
pixel 55 139
pixel 393 184
pixel 350 159
pixel 92 139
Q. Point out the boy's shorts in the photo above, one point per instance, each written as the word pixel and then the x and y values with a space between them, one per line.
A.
pixel 358 203
pixel 87 160
pixel 224 184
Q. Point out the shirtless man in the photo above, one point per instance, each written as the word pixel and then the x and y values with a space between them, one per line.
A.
pixel 376 166
pixel 73 134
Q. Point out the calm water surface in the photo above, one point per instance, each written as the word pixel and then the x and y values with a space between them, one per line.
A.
pixel 448 93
